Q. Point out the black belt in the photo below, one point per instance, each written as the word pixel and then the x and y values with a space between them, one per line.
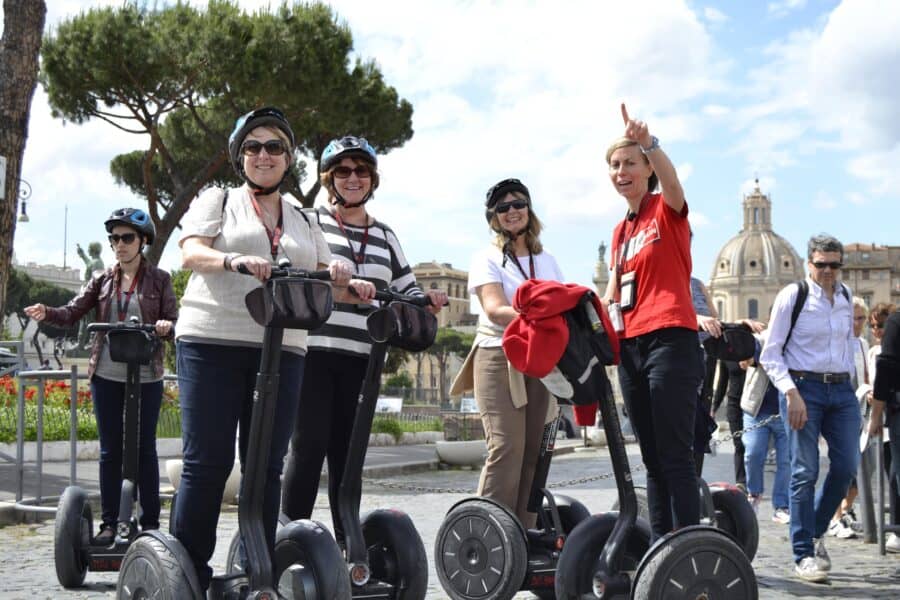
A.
pixel 821 377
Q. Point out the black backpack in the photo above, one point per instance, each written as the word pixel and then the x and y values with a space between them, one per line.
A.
pixel 802 293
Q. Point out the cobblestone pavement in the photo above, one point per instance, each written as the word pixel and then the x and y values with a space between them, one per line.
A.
pixel 27 571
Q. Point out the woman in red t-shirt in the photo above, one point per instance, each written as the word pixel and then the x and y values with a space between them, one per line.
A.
pixel 650 291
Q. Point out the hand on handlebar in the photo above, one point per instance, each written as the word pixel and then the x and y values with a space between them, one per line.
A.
pixel 364 290
pixel 163 327
pixel 438 300
pixel 340 272
pixel 257 266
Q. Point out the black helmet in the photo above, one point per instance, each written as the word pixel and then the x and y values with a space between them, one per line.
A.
pixel 499 190
pixel 134 218
pixel 261 117
pixel 348 146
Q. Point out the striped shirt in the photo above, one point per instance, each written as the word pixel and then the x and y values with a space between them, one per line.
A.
pixel 383 263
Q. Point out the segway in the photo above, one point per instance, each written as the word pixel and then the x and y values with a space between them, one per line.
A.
pixel 722 505
pixel 483 551
pixel 609 555
pixel 157 565
pixel 384 554
pixel 74 550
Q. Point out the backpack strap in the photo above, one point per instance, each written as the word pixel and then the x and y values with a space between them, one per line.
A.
pixel 802 293
pixel 224 200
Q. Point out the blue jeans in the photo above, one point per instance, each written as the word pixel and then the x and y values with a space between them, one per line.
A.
pixel 216 385
pixel 659 374
pixel 109 406
pixel 756 447
pixel 833 413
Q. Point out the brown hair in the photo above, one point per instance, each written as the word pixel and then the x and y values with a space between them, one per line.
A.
pixel 880 312
pixel 532 230
pixel 624 142
pixel 327 178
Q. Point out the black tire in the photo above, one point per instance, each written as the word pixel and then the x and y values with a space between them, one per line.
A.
pixel 694 563
pixel 308 543
pixel 480 552
pixel 234 562
pixel 642 502
pixel 157 566
pixel 578 560
pixel 735 516
pixel 571 513
pixel 71 537
pixel 396 553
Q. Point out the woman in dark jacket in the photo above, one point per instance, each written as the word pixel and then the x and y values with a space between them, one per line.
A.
pixel 130 288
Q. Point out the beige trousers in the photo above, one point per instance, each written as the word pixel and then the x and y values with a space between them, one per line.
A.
pixel 513 434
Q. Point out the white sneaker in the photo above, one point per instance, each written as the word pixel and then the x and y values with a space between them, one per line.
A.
pixel 808 570
pixel 781 515
pixel 823 561
pixel 833 528
pixel 754 502
pixel 846 531
pixel 892 543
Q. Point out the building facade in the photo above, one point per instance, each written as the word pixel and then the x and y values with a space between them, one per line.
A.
pixel 873 272
pixel 442 276
pixel 754 265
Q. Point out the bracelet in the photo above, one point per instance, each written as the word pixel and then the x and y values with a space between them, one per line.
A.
pixel 226 262
pixel 654 145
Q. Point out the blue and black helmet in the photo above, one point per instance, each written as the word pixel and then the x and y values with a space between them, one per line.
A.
pixel 261 117
pixel 134 218
pixel 348 146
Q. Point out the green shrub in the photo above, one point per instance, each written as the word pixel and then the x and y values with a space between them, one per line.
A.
pixel 388 425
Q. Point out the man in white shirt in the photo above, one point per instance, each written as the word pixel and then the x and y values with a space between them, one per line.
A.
pixel 812 365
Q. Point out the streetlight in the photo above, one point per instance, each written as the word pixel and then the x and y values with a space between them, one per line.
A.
pixel 24 194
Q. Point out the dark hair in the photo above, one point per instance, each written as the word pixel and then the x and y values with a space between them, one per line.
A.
pixel 880 312
pixel 823 243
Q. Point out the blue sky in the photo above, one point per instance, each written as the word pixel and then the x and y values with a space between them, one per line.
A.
pixel 801 94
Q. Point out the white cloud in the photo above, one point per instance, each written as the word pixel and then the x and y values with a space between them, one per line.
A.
pixel 714 15
pixel 783 8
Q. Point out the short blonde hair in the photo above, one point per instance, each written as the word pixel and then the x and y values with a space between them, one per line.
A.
pixel 624 142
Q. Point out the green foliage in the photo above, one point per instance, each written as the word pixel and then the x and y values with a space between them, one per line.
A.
pixel 448 342
pixel 399 380
pixel 23 290
pixel 181 76
pixel 387 425
pixel 396 357
pixel 179 282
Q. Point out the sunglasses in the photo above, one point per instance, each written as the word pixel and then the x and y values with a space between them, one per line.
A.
pixel 127 238
pixel 517 204
pixel 341 172
pixel 253 148
pixel 834 265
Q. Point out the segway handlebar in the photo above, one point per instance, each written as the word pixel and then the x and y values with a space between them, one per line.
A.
pixel 122 326
pixel 288 271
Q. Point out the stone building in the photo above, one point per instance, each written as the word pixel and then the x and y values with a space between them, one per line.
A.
pixel 442 276
pixel 754 265
pixel 873 272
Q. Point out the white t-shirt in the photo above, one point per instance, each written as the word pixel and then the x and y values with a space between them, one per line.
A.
pixel 212 308
pixel 487 267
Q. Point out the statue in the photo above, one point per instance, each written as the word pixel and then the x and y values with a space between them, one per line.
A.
pixel 602 250
pixel 93 264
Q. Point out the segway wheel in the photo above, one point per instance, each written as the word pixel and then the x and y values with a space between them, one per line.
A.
pixel 571 513
pixel 580 556
pixel 697 562
pixel 71 536
pixel 642 502
pixel 235 559
pixel 396 553
pixel 735 516
pixel 306 551
pixel 480 552
pixel 157 566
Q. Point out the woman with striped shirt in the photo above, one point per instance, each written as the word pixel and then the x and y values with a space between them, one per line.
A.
pixel 338 352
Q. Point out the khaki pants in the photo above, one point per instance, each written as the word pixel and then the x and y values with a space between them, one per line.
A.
pixel 513 434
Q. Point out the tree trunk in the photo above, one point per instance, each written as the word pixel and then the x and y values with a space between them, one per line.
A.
pixel 23 28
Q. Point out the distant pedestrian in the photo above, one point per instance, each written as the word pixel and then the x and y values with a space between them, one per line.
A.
pixel 811 363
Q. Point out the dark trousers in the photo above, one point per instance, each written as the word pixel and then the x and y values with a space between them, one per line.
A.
pixel 109 406
pixel 216 392
pixel 659 375
pixel 736 424
pixel 323 427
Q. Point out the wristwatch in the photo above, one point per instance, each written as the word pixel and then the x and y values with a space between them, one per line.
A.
pixel 654 145
pixel 226 262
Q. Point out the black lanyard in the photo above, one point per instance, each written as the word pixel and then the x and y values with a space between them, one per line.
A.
pixel 358 257
pixel 123 309
pixel 273 235
pixel 625 240
pixel 515 261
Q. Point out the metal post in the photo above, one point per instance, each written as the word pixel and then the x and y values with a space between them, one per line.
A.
pixel 864 486
pixel 20 439
pixel 73 424
pixel 879 494
pixel 40 439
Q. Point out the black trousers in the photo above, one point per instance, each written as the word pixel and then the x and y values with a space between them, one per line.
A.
pixel 324 422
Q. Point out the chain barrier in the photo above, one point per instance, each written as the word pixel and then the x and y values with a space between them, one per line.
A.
pixel 422 489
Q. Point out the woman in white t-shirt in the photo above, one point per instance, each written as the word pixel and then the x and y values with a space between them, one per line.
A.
pixel 513 406
pixel 219 344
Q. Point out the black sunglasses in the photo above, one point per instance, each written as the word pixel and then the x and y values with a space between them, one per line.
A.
pixel 253 148
pixel 517 204
pixel 342 172
pixel 128 238
pixel 834 265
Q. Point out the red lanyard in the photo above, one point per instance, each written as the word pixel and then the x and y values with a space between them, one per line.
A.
pixel 123 309
pixel 360 257
pixel 273 235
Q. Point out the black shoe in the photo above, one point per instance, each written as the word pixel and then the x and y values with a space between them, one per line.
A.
pixel 106 536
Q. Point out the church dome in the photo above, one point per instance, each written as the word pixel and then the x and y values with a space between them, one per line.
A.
pixel 753 265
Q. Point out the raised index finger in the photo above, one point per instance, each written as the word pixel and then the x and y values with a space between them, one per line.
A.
pixel 625 114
